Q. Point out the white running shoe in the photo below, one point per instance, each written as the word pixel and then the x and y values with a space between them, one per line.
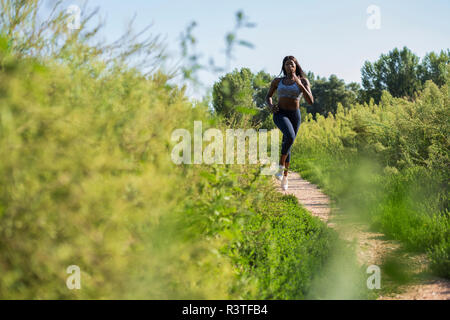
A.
pixel 279 174
pixel 284 183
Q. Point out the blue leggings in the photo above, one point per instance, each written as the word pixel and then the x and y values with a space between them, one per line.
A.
pixel 288 121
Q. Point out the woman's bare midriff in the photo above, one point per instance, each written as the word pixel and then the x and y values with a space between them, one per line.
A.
pixel 288 103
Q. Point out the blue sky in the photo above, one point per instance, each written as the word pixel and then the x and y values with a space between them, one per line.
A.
pixel 326 36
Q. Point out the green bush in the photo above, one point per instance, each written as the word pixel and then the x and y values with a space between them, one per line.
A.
pixel 82 167
pixel 87 180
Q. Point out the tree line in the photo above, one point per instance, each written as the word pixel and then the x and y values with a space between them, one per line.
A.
pixel 239 95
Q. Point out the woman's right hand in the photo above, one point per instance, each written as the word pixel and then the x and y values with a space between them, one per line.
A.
pixel 274 108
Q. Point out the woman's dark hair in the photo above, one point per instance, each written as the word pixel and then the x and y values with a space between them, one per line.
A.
pixel 298 70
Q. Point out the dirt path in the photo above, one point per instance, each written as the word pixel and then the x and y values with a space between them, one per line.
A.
pixel 373 248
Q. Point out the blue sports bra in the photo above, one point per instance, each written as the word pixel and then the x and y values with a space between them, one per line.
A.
pixel 292 91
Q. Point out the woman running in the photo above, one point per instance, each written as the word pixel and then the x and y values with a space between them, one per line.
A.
pixel 286 114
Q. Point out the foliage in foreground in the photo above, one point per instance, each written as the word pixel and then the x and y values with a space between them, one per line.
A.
pixel 87 180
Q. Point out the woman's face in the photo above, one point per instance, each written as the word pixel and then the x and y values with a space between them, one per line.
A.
pixel 289 67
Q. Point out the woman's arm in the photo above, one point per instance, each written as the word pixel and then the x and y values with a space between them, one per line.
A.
pixel 268 99
pixel 303 83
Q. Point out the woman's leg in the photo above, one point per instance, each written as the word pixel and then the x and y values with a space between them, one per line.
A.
pixel 295 120
pixel 286 168
pixel 283 159
pixel 283 122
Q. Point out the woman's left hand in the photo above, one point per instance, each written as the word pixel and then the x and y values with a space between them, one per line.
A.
pixel 301 80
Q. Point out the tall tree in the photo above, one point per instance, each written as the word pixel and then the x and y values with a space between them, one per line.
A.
pixel 261 85
pixel 435 67
pixel 396 72
pixel 233 95
pixel 329 92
